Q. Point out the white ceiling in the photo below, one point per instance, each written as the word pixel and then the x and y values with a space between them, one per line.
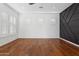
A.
pixel 47 7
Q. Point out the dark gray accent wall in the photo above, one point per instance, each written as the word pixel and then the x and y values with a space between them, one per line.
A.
pixel 69 23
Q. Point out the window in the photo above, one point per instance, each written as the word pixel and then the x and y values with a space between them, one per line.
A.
pixel 4 23
pixel 12 24
pixel 7 24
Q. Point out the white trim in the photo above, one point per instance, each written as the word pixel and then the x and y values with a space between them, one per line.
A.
pixel 6 40
pixel 36 12
pixel 70 42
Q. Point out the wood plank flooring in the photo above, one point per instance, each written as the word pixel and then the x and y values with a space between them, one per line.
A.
pixel 39 47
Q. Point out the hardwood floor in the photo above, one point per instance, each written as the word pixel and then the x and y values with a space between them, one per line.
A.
pixel 39 47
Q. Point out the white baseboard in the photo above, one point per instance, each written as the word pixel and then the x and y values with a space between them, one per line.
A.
pixel 70 42
pixel 8 39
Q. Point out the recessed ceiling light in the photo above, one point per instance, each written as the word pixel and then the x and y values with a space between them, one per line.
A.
pixel 31 3
pixel 40 7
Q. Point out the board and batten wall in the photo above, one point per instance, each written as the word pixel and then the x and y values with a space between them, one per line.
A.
pixel 69 23
pixel 39 25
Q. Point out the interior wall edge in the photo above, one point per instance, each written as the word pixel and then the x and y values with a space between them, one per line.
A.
pixel 70 42
pixel 6 4
pixel 66 8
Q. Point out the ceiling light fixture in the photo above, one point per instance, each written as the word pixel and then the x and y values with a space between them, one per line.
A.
pixel 40 7
pixel 31 3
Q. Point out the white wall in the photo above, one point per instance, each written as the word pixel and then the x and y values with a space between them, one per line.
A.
pixel 39 25
pixel 6 15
